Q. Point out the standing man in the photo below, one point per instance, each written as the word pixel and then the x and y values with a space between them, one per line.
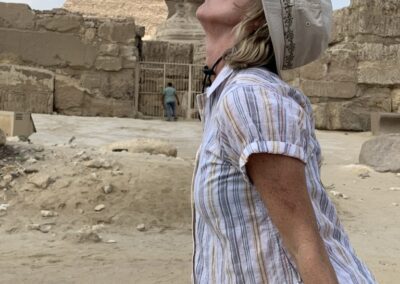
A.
pixel 170 99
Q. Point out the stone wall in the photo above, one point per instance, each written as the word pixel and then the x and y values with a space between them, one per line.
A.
pixel 360 72
pixel 77 65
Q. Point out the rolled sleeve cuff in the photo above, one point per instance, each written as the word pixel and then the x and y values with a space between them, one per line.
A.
pixel 270 147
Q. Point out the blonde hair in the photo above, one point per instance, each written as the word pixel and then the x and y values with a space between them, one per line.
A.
pixel 253 46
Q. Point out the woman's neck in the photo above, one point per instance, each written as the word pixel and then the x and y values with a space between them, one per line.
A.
pixel 216 45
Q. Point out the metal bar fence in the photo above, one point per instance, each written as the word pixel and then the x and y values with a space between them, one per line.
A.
pixel 154 76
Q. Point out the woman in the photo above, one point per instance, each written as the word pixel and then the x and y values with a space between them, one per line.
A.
pixel 261 214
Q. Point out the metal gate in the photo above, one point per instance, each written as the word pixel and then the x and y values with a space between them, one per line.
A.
pixel 153 78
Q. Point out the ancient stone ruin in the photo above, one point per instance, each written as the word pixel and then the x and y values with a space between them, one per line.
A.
pixel 360 72
pixel 60 61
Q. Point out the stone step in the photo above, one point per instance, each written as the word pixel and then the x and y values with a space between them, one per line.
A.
pixel 385 123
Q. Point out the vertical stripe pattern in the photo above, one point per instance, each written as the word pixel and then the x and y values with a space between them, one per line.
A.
pixel 246 112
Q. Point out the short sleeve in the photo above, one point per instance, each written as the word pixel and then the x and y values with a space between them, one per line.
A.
pixel 253 119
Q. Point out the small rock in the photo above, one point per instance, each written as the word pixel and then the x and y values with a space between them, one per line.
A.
pixel 31 160
pixel 111 242
pixel 98 227
pixel 394 189
pixel 141 228
pixel 395 204
pixel 48 213
pixel 33 227
pixel 4 207
pixel 398 175
pixel 99 207
pixel 94 176
pixel 108 189
pixel 85 235
pixel 41 181
pixel 364 175
pixel 8 178
pixel 117 173
pixel 45 228
pixel 13 139
pixel 79 154
pixel 98 164
pixel 338 194
pixel 38 148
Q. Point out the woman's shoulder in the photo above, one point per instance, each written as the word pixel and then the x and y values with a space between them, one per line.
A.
pixel 261 83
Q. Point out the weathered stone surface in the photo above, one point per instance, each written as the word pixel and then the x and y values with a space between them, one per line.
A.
pixel 94 60
pixel 341 116
pixel 108 63
pixel 111 49
pixel 379 73
pixel 158 51
pixel 59 49
pixel 107 107
pixel 329 89
pixel 382 153
pixel 61 23
pixel 69 96
pixel 124 32
pixel 26 89
pixel 17 16
pixel 360 71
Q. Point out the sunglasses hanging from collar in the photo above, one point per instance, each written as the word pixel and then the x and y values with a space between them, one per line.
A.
pixel 208 73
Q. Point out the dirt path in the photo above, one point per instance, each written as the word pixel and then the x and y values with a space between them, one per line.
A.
pixel 154 190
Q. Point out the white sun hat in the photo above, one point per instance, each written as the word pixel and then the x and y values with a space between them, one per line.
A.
pixel 299 30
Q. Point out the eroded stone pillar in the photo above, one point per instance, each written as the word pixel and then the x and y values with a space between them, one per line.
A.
pixel 181 24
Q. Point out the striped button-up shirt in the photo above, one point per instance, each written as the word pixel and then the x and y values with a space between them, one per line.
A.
pixel 235 241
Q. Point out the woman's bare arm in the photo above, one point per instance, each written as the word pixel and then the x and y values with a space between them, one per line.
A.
pixel 281 182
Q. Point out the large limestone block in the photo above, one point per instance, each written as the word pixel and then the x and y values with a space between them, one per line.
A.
pixel 48 48
pixel 337 64
pixel 95 106
pixel 17 16
pixel 341 116
pixel 371 21
pixel 108 63
pixel 379 73
pixel 118 85
pixel 329 89
pixel 26 89
pixel 61 23
pixel 382 153
pixel 69 96
pixel 343 26
pixel 162 51
pixel 376 51
pixel 124 32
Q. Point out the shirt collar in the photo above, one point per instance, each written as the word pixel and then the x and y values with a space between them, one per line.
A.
pixel 221 78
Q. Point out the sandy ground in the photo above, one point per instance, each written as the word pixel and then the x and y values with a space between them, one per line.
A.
pixel 81 245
